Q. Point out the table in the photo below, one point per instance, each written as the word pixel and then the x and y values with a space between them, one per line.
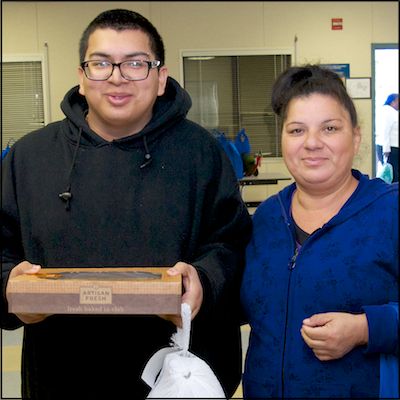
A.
pixel 265 178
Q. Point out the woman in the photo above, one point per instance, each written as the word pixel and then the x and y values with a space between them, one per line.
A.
pixel 322 265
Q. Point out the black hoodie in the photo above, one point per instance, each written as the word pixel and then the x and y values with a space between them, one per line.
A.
pixel 165 194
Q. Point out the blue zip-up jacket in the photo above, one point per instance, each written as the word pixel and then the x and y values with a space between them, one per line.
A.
pixel 349 265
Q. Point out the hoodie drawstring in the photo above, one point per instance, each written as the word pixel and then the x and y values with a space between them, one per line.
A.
pixel 67 195
pixel 147 156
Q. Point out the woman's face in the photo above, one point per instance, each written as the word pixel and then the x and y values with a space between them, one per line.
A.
pixel 319 141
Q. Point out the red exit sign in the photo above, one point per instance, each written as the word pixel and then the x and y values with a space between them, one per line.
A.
pixel 337 24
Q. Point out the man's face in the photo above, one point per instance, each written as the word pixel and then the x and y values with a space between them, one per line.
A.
pixel 395 104
pixel 118 107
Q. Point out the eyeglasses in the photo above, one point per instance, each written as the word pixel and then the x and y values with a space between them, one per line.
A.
pixel 131 70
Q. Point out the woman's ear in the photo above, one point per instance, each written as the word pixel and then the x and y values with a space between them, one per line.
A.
pixel 356 139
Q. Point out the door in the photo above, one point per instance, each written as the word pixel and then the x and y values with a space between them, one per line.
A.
pixel 385 80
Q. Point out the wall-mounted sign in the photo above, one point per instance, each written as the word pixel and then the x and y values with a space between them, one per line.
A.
pixel 337 24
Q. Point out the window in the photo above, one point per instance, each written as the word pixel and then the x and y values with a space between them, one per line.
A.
pixel 23 105
pixel 231 92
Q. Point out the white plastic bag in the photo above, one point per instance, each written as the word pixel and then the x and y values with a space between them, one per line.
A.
pixel 183 374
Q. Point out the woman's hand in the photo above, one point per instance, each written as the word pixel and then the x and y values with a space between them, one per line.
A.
pixel 332 335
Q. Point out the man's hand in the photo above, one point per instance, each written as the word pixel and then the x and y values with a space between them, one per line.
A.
pixel 25 267
pixel 193 291
pixel 386 156
pixel 332 335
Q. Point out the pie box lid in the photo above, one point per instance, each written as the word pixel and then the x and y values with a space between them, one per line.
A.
pixel 104 290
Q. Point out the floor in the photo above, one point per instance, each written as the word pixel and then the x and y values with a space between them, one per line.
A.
pixel 11 358
pixel 10 382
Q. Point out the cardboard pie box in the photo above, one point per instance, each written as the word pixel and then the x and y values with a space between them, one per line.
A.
pixel 125 290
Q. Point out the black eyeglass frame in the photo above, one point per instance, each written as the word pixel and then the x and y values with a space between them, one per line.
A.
pixel 150 65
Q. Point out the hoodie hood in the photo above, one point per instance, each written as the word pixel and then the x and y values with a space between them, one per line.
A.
pixel 367 192
pixel 168 109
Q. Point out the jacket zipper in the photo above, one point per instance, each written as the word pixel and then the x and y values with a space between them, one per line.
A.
pixel 291 266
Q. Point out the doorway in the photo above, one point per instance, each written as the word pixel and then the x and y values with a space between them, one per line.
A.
pixel 385 80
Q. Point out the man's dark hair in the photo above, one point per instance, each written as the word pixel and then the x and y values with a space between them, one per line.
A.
pixel 120 19
pixel 302 81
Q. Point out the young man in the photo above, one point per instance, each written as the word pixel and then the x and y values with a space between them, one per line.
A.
pixel 124 179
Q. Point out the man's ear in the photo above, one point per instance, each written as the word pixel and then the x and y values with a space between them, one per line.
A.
pixel 162 80
pixel 81 78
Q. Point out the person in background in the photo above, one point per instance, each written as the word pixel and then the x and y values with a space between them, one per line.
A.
pixel 124 180
pixel 320 273
pixel 387 134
